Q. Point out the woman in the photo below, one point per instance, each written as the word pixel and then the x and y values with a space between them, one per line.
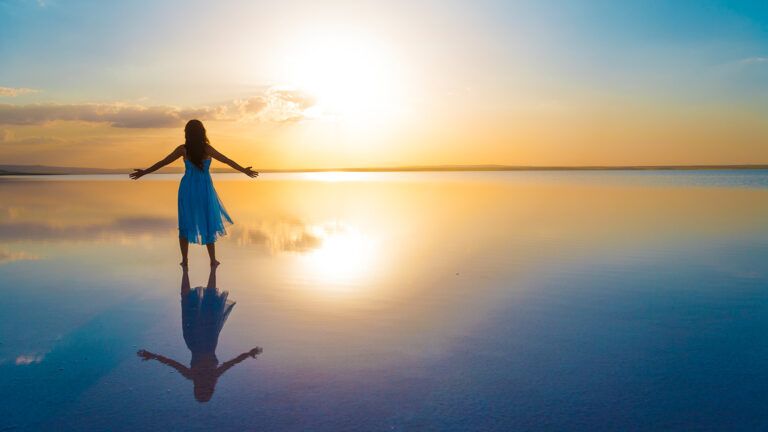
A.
pixel 201 214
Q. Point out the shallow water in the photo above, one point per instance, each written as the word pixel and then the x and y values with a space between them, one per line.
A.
pixel 395 301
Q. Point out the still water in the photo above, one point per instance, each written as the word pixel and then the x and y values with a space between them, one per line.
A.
pixel 396 301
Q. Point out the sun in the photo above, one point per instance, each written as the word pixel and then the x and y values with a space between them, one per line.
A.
pixel 354 78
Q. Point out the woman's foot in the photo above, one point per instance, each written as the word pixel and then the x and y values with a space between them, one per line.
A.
pixel 214 263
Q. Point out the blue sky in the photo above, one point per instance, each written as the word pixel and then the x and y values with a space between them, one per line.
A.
pixel 96 49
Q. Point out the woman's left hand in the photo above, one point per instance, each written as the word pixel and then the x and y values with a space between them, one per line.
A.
pixel 250 173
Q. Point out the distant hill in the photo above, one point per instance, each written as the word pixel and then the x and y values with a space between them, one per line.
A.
pixel 57 170
pixel 52 170
pixel 43 169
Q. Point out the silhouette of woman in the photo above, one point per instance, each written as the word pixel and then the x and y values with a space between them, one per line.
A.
pixel 201 214
pixel 203 314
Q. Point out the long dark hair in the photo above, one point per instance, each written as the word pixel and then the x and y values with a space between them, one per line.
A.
pixel 196 140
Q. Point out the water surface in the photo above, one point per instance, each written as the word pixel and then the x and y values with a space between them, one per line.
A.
pixel 394 301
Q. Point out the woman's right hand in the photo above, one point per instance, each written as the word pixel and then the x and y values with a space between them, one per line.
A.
pixel 144 354
pixel 136 174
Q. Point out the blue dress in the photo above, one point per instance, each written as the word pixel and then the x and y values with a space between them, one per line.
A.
pixel 202 216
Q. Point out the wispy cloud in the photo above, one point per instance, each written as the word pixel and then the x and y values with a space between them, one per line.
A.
pixel 285 105
pixel 15 91
pixel 117 115
pixel 275 105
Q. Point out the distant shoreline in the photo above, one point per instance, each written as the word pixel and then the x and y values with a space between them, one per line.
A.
pixel 25 170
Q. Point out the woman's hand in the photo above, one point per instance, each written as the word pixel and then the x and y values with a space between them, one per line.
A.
pixel 137 173
pixel 254 352
pixel 250 173
pixel 145 355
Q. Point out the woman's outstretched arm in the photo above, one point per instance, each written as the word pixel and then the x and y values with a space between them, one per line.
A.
pixel 146 355
pixel 227 365
pixel 221 158
pixel 177 153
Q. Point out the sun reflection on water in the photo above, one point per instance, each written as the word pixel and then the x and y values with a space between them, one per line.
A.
pixel 339 176
pixel 345 255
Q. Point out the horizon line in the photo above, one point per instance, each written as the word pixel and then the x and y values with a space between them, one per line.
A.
pixel 20 169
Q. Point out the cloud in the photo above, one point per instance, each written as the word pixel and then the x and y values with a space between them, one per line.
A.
pixel 15 91
pixel 278 105
pixel 252 105
pixel 284 105
pixel 117 115
pixel 275 105
pixel 300 99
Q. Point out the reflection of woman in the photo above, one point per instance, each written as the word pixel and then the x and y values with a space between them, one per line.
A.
pixel 203 314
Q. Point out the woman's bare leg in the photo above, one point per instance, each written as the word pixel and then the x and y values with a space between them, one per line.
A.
pixel 212 253
pixel 184 246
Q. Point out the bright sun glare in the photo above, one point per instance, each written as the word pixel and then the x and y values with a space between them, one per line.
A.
pixel 353 78
pixel 346 254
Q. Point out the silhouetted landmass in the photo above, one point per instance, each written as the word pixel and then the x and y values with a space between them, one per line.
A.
pixel 6 170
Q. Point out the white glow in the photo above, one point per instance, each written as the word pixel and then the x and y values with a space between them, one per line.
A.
pixel 345 255
pixel 354 78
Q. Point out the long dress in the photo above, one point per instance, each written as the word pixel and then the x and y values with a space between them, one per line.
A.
pixel 202 216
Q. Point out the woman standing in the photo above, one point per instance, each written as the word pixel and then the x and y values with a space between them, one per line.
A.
pixel 202 216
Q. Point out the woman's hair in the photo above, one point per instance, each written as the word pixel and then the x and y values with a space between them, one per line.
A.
pixel 196 140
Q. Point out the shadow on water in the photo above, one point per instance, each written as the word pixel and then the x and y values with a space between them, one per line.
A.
pixel 204 310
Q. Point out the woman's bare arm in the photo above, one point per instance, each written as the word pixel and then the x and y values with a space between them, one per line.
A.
pixel 223 159
pixel 146 355
pixel 227 365
pixel 175 154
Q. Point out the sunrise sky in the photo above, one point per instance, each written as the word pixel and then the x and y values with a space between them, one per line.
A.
pixel 310 84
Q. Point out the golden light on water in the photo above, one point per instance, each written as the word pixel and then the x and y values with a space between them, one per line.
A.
pixel 345 255
pixel 340 176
